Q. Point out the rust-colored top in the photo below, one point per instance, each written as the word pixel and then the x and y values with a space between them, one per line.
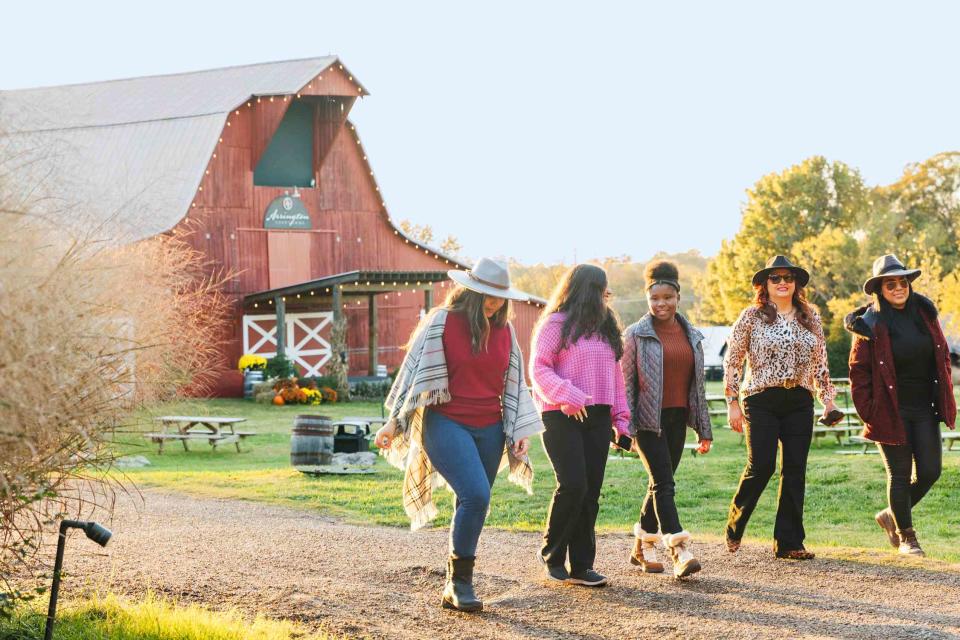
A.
pixel 677 365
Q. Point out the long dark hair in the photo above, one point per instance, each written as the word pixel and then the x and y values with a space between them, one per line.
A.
pixel 912 310
pixel 470 303
pixel 580 295
pixel 769 310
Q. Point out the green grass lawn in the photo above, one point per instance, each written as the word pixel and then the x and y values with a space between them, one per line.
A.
pixel 113 618
pixel 843 491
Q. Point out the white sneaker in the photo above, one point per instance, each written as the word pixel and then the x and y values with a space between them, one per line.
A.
pixel 684 564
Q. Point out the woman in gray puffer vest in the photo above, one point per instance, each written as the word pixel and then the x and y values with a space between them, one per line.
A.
pixel 663 371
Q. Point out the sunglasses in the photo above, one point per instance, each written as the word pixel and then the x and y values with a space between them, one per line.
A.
pixel 775 278
pixel 893 285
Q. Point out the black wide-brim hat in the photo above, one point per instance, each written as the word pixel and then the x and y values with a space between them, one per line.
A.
pixel 780 262
pixel 888 266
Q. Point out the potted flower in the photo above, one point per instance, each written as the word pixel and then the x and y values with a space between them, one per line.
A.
pixel 252 367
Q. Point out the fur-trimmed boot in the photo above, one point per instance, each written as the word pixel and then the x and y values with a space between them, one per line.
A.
pixel 908 543
pixel 684 564
pixel 644 551
pixel 458 591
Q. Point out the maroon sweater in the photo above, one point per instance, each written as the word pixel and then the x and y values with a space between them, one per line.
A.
pixel 873 379
pixel 677 365
pixel 475 380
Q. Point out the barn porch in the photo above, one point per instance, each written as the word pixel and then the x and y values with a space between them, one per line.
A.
pixel 290 319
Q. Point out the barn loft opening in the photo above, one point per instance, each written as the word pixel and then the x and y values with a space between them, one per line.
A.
pixel 288 159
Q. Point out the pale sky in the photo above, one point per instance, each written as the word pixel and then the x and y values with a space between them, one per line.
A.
pixel 547 130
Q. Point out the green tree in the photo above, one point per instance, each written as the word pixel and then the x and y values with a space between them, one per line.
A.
pixel 919 215
pixel 787 213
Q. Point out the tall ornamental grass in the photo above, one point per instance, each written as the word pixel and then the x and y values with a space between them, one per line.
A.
pixel 91 328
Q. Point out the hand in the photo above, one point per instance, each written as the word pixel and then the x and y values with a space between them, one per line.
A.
pixel 827 408
pixel 572 411
pixel 735 417
pixel 521 447
pixel 704 446
pixel 385 434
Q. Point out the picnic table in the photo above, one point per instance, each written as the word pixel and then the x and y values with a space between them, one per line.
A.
pixel 216 430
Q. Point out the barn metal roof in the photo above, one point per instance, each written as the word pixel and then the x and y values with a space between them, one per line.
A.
pixel 130 154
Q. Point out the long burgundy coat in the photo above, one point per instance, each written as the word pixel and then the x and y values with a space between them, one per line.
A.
pixel 873 379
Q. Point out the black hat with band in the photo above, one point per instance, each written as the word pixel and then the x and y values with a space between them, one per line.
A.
pixel 888 266
pixel 781 262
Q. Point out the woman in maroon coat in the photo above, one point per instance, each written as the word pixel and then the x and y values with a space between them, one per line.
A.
pixel 902 389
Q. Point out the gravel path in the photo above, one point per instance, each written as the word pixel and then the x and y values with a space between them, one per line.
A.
pixel 385 583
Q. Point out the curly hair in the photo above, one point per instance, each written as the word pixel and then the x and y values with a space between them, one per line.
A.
pixel 662 272
pixel 580 294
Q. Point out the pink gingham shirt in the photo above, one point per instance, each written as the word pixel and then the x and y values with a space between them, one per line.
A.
pixel 584 373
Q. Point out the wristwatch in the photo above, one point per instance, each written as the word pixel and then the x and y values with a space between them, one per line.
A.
pixel 731 399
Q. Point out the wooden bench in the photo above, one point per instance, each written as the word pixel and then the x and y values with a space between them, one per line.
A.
pixel 949 437
pixel 862 443
pixel 838 431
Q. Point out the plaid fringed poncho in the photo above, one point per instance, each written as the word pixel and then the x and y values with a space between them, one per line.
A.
pixel 422 382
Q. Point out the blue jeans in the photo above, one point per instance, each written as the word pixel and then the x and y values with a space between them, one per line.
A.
pixel 467 458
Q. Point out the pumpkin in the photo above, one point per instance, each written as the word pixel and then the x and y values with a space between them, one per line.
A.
pixel 278 400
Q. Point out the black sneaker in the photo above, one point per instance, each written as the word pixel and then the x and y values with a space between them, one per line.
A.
pixel 588 578
pixel 553 573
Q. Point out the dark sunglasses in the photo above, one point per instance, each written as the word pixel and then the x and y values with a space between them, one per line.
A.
pixel 775 278
pixel 893 285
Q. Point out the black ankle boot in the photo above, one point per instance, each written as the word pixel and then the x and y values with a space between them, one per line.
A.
pixel 458 592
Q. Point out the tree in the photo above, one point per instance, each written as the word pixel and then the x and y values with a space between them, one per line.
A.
pixel 786 213
pixel 422 234
pixel 919 214
pixel 451 246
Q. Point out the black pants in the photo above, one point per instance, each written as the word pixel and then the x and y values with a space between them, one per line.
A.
pixel 775 416
pixel 661 455
pixel 921 458
pixel 578 453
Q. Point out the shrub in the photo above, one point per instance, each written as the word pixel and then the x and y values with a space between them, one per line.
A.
pixel 318 382
pixel 279 367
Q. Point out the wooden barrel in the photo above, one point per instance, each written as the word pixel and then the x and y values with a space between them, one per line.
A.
pixel 250 378
pixel 311 442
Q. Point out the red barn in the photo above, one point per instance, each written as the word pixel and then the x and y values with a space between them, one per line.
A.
pixel 260 168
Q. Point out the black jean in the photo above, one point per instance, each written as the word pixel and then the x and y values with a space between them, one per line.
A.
pixel 921 458
pixel 784 417
pixel 578 452
pixel 661 455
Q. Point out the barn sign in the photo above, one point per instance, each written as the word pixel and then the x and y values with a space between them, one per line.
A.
pixel 286 212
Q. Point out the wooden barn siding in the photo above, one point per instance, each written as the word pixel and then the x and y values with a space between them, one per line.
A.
pixel 345 206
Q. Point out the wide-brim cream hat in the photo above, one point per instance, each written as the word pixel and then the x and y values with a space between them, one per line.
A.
pixel 489 277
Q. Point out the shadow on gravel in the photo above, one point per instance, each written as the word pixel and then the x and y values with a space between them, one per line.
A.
pixel 695 601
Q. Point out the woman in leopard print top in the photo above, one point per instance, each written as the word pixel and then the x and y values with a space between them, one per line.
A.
pixel 781 338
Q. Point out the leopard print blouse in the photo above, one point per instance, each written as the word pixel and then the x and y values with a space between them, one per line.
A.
pixel 776 353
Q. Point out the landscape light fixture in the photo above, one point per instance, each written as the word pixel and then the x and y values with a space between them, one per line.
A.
pixel 96 532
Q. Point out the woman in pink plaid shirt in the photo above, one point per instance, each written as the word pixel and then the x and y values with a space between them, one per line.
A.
pixel 578 387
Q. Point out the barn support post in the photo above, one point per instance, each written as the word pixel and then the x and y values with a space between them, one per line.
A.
pixel 372 323
pixel 337 303
pixel 280 305
pixel 427 299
